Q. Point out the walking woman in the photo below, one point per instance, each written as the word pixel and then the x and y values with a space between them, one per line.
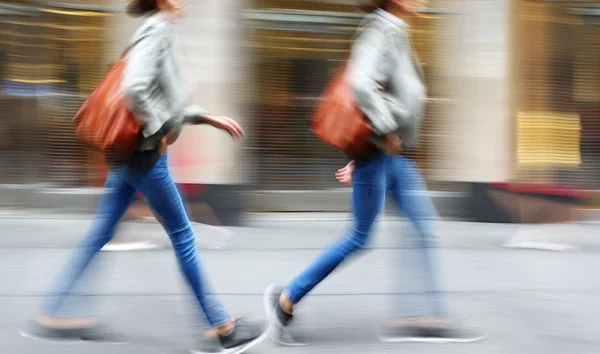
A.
pixel 382 56
pixel 154 84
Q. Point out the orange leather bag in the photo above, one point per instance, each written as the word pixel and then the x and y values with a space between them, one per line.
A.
pixel 338 120
pixel 104 122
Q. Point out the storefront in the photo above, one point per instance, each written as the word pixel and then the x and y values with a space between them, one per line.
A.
pixel 514 89
pixel 557 94
pixel 295 49
pixel 553 116
pixel 52 56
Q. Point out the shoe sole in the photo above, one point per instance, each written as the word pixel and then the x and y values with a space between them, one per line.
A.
pixel 269 309
pixel 428 340
pixel 270 312
pixel 27 335
pixel 240 349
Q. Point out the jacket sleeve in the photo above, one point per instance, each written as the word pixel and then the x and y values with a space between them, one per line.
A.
pixel 141 71
pixel 191 115
pixel 402 115
pixel 194 115
pixel 371 64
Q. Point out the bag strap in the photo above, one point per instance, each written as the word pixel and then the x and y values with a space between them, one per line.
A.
pixel 128 49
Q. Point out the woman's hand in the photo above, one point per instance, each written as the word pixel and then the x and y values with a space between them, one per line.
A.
pixel 227 125
pixel 344 175
pixel 392 144
pixel 167 140
pixel 163 146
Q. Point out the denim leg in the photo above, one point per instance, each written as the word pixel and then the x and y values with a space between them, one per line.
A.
pixel 419 272
pixel 116 199
pixel 162 195
pixel 367 201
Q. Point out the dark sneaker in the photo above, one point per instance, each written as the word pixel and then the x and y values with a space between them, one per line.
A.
pixel 209 346
pixel 72 335
pixel 246 334
pixel 283 331
pixel 34 330
pixel 400 334
pixel 101 334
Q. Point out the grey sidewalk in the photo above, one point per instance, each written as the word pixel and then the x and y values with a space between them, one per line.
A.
pixel 279 232
pixel 526 301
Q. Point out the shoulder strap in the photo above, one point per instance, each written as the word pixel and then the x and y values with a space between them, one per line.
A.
pixel 134 41
pixel 129 47
pixel 126 50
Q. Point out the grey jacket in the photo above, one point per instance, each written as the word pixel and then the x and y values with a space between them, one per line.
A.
pixel 387 78
pixel 153 81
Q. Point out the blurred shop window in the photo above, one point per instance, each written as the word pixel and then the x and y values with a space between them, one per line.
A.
pixel 3 130
pixel 309 77
pixel 295 61
pixel 2 67
pixel 69 73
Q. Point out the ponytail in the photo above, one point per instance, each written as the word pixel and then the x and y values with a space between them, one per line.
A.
pixel 370 6
pixel 141 7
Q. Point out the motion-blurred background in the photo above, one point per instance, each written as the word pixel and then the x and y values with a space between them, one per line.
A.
pixel 511 136
pixel 514 116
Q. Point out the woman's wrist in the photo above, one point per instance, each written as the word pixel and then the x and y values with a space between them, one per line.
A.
pixel 207 119
pixel 195 119
pixel 195 115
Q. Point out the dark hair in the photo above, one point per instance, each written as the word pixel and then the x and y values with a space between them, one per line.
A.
pixel 369 6
pixel 141 7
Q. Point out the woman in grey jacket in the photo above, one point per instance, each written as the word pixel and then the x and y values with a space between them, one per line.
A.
pixel 390 89
pixel 153 82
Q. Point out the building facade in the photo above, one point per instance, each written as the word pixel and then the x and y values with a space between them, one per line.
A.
pixel 514 87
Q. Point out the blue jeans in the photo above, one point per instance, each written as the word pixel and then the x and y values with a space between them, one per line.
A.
pixel 417 272
pixel 160 192
pixel 372 180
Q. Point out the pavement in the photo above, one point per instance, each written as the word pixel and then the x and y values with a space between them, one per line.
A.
pixel 526 301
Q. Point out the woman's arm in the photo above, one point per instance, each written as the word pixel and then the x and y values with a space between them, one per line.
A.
pixel 373 60
pixel 405 114
pixel 141 72
pixel 195 115
pixel 370 72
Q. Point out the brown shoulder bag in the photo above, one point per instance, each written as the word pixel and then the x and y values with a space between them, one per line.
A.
pixel 339 122
pixel 104 121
